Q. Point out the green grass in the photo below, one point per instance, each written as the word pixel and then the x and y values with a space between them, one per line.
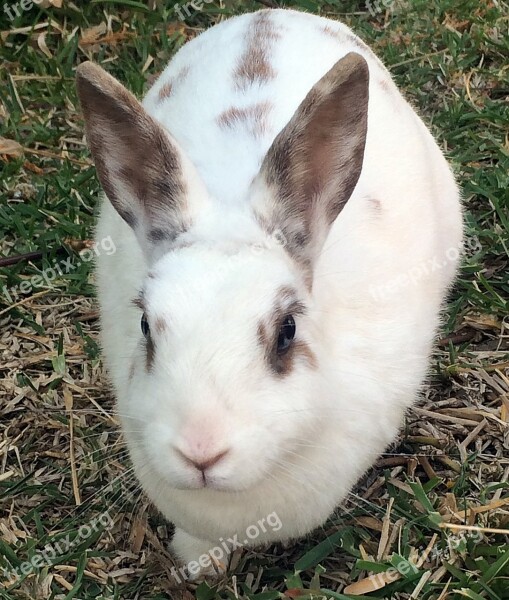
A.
pixel 451 60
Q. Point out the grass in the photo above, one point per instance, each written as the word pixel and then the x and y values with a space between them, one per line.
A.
pixel 65 482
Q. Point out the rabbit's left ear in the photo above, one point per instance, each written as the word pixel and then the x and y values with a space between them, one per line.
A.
pixel 146 176
pixel 314 163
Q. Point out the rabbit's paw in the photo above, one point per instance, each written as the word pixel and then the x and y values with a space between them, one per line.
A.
pixel 201 558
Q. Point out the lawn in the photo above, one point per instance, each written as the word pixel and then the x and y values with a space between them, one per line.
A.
pixel 431 519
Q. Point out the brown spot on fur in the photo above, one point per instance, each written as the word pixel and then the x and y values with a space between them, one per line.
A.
pixel 376 204
pixel 386 86
pixel 166 91
pixel 254 65
pixel 168 88
pixel 333 33
pixel 268 331
pixel 356 41
pixel 253 118
pixel 342 37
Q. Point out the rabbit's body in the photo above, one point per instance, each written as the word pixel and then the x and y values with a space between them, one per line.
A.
pixel 298 442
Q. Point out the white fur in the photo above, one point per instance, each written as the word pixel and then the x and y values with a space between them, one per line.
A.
pixel 298 443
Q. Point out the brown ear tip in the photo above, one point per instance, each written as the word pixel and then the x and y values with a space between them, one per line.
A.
pixel 355 61
pixel 88 70
pixel 354 67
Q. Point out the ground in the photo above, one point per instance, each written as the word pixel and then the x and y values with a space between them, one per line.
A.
pixel 72 521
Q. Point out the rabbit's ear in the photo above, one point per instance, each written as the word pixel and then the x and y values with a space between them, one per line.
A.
pixel 139 165
pixel 315 162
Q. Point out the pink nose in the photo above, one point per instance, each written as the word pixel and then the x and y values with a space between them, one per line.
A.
pixel 203 462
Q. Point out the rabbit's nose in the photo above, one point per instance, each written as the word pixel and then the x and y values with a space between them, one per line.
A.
pixel 203 462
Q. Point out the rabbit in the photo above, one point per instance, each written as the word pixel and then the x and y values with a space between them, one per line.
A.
pixel 287 231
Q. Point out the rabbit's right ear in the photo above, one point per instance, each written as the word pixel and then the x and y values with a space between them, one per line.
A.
pixel 313 165
pixel 143 172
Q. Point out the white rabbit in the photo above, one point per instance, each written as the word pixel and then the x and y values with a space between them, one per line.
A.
pixel 286 230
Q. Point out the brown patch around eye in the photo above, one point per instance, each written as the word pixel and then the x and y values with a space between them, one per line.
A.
pixel 147 342
pixel 303 350
pixel 254 65
pixel 150 352
pixel 282 364
pixel 160 326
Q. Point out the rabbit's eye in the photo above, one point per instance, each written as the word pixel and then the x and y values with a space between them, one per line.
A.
pixel 286 335
pixel 145 326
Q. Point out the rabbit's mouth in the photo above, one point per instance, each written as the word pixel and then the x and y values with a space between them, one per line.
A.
pixel 224 472
pixel 162 459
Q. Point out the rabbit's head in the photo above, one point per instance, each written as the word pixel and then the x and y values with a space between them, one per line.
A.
pixel 228 362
